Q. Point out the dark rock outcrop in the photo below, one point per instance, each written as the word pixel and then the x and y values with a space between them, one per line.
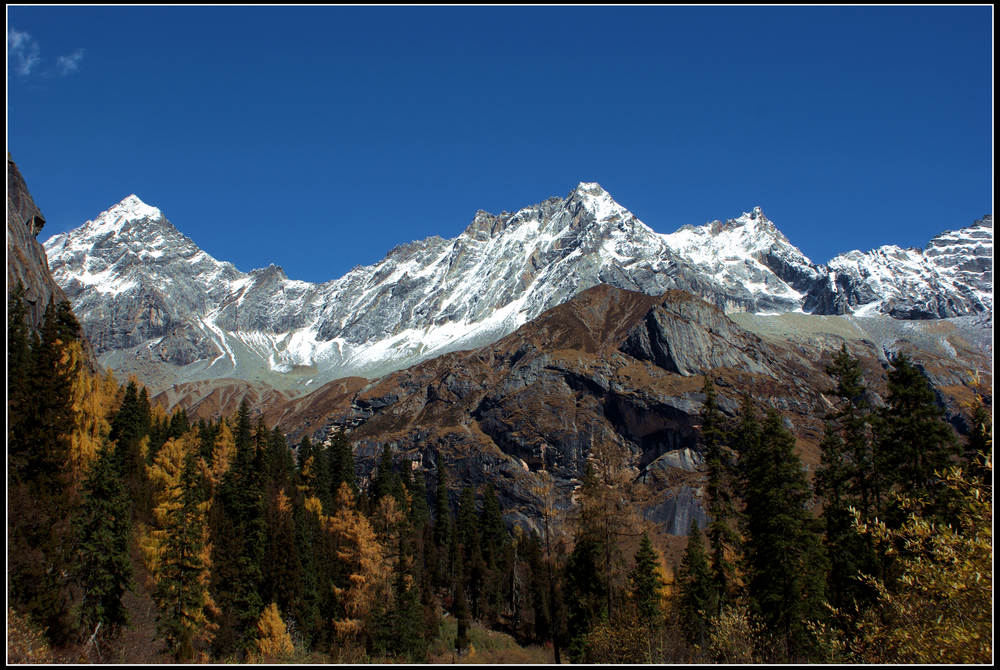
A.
pixel 26 261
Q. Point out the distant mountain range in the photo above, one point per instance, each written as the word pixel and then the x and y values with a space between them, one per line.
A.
pixel 154 304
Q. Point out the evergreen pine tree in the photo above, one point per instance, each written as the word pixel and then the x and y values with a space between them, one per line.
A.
pixel 400 633
pixel 586 591
pixel 914 440
pixel 305 601
pixel 129 431
pixel 492 531
pixel 722 538
pixel 461 616
pixel 785 564
pixel 697 590
pixel 39 477
pixel 102 568
pixel 419 512
pixel 181 592
pixel 342 462
pixel 305 453
pixel 646 582
pixel 443 537
pixel 19 387
pixel 281 566
pixel 239 542
pixel 384 482
pixel 467 536
pixel 497 562
pixel 847 478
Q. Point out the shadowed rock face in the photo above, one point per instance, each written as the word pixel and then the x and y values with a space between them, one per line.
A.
pixel 26 261
pixel 609 368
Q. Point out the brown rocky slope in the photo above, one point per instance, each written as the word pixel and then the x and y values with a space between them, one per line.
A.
pixel 610 368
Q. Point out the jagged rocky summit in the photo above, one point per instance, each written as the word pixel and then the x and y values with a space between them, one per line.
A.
pixel 156 305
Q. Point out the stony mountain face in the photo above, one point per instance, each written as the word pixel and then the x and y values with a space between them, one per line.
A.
pixel 951 276
pixel 157 306
pixel 26 261
pixel 618 370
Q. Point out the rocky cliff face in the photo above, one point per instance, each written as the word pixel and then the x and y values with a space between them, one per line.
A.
pixel 26 261
pixel 951 276
pixel 619 372
pixel 157 306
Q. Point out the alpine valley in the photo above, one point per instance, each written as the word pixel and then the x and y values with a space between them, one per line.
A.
pixel 510 351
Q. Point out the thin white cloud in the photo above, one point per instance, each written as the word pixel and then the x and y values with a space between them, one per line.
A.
pixel 69 64
pixel 25 57
pixel 22 51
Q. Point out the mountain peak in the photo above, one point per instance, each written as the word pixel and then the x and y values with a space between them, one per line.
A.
pixel 755 216
pixel 132 207
pixel 599 202
pixel 590 188
pixel 118 217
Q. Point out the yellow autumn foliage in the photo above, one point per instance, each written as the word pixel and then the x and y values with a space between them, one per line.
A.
pixel 164 477
pixel 223 452
pixel 359 550
pixel 273 640
pixel 941 610
pixel 284 503
pixel 314 505
pixel 307 475
pixel 94 398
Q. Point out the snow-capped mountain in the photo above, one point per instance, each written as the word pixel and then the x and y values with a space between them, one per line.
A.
pixel 748 254
pixel 951 276
pixel 153 303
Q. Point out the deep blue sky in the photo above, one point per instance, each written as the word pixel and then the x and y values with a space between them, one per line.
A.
pixel 317 138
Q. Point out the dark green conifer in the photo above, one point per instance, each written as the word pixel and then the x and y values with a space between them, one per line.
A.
pixel 492 531
pixel 847 478
pixel 128 427
pixel 102 568
pixel 645 582
pixel 305 610
pixel 467 537
pixel 585 592
pixel 40 533
pixel 697 590
pixel 785 566
pixel 385 480
pixel 281 566
pixel 419 511
pixel 342 459
pixel 722 538
pixel 462 617
pixel 239 541
pixel 179 594
pixel 19 384
pixel 914 440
